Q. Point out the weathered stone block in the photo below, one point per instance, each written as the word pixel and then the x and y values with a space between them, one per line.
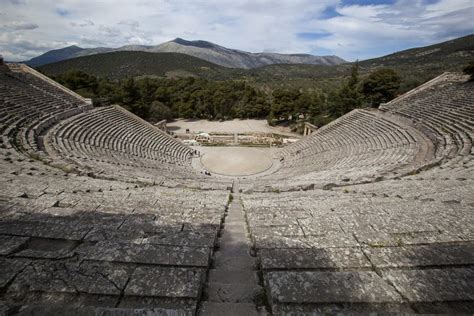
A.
pixel 328 258
pixel 165 282
pixel 329 287
pixel 434 285
pixel 145 254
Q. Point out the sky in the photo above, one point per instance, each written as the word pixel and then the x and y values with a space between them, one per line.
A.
pixel 351 29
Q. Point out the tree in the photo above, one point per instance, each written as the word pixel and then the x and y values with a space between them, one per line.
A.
pixel 469 70
pixel 159 111
pixel 348 96
pixel 381 86
pixel 130 92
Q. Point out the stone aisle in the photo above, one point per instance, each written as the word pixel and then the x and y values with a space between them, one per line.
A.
pixel 233 284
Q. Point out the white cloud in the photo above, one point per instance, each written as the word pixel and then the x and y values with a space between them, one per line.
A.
pixel 373 30
pixel 20 25
pixel 360 31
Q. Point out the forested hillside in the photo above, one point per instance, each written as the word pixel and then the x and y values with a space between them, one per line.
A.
pixel 160 85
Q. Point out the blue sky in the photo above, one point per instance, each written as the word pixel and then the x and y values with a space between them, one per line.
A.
pixel 351 29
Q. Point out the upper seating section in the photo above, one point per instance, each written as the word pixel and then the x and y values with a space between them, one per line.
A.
pixel 29 105
pixel 443 109
pixel 361 143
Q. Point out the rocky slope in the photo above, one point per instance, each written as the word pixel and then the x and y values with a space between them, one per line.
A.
pixel 208 51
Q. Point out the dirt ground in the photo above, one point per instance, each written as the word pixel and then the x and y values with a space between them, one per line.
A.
pixel 236 161
pixel 234 126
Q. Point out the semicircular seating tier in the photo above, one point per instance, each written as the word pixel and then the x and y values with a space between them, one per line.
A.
pixel 108 140
pixel 362 145
pixel 112 138
pixel 30 104
pixel 443 109
pixel 428 126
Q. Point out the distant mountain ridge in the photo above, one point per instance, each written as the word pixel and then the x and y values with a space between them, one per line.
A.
pixel 216 54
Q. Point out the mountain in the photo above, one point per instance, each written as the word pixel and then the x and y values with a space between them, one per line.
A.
pixel 450 51
pixel 208 51
pixel 233 58
pixel 415 66
pixel 118 65
pixel 55 55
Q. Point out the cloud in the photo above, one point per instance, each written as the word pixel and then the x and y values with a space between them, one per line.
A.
pixel 348 28
pixel 18 47
pixel 17 2
pixel 18 25
pixel 365 31
pixel 84 23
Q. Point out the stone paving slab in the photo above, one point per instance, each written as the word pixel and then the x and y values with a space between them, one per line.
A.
pixel 224 261
pixel 44 310
pixel 328 258
pixel 145 254
pixel 422 255
pixel 9 268
pixel 272 242
pixel 9 244
pixel 43 229
pixel 181 306
pixel 329 287
pixel 342 309
pixel 102 233
pixel 384 239
pixel 320 226
pixel 183 238
pixel 34 254
pixel 288 230
pixel 333 240
pixel 47 248
pixel 228 309
pixel 53 276
pixel 208 226
pixel 63 211
pixel 165 282
pixel 434 285
pixel 233 293
pixel 233 276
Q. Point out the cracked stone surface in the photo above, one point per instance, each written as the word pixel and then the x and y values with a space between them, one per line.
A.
pixel 9 244
pixel 165 282
pixel 328 258
pixel 146 254
pixel 330 287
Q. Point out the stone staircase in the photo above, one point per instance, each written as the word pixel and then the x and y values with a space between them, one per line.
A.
pixel 233 283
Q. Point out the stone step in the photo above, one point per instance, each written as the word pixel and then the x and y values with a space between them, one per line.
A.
pixel 234 245
pixel 233 239
pixel 235 219
pixel 235 233
pixel 235 226
pixel 233 276
pixel 233 293
pixel 229 309
pixel 234 250
pixel 236 262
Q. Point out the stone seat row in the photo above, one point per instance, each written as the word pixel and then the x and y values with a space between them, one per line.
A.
pixel 443 110
pixel 127 130
pixel 27 111
pixel 360 139
pixel 110 134
pixel 345 250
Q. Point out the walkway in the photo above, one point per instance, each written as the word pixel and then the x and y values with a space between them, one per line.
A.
pixel 233 283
